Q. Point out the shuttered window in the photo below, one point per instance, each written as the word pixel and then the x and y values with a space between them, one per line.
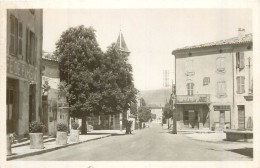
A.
pixel 189 67
pixel 240 58
pixel 31 47
pixel 190 88
pixel 221 64
pixel 240 84
pixel 221 88
pixel 20 42
pixel 206 81
pixel 13 36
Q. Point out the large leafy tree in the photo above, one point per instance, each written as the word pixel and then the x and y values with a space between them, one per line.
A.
pixel 118 91
pixel 80 59
pixel 98 82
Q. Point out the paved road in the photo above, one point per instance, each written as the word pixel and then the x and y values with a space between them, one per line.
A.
pixel 150 144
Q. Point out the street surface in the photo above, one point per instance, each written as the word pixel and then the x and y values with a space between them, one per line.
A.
pixel 149 144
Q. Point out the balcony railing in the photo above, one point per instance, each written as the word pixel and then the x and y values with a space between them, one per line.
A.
pixel 194 99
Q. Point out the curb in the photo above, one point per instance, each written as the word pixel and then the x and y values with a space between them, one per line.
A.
pixel 219 142
pixel 51 149
pixel 19 145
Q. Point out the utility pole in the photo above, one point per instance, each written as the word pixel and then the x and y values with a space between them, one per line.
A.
pixel 249 80
pixel 174 117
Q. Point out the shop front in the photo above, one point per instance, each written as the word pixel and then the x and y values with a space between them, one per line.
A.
pixel 193 111
pixel 221 117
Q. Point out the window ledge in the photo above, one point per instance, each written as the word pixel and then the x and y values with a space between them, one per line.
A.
pixel 190 73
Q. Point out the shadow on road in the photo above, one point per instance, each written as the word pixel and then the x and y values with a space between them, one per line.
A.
pixel 243 151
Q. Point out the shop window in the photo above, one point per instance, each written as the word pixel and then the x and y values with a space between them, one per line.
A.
pixel 240 60
pixel 190 88
pixel 13 45
pixel 240 84
pixel 221 89
pixel 221 64
pixel 206 81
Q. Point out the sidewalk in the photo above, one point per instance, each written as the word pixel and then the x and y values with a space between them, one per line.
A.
pixel 212 137
pixel 49 145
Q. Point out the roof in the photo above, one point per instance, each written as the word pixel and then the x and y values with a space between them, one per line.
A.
pixel 120 44
pixel 247 38
pixel 49 57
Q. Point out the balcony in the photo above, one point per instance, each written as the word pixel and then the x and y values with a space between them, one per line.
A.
pixel 194 99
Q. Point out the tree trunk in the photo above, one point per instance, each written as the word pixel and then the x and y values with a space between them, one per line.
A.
pixel 174 125
pixel 168 123
pixel 83 125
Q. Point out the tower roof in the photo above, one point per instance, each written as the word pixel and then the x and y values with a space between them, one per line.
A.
pixel 120 44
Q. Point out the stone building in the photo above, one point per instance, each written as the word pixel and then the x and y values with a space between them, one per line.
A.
pixel 50 79
pixel 23 85
pixel 214 84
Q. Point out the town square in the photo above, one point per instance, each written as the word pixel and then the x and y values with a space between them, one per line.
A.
pixel 173 84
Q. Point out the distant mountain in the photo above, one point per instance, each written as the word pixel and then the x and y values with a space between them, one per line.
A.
pixel 156 98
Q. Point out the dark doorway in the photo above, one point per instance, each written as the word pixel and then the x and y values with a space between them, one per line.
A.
pixel 11 105
pixel 241 117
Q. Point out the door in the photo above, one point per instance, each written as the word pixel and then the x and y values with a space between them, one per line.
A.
pixel 191 118
pixel 222 119
pixel 241 117
pixel 11 106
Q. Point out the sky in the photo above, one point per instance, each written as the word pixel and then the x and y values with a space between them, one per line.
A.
pixel 150 34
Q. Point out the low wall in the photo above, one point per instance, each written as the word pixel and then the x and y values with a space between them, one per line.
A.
pixel 236 135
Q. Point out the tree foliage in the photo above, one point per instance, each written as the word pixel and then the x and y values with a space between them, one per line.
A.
pixel 118 91
pixel 144 114
pixel 167 111
pixel 97 82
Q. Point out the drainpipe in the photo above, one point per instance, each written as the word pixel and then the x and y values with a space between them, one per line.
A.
pixel 233 75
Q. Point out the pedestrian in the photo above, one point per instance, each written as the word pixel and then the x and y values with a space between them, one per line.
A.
pixel 162 125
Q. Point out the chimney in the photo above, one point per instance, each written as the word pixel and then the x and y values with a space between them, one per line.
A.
pixel 241 32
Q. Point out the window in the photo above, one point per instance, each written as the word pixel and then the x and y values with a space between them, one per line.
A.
pixel 240 60
pixel 221 88
pixel 190 87
pixel 206 81
pixel 13 36
pixel 189 67
pixel 20 42
pixel 221 64
pixel 30 47
pixel 240 84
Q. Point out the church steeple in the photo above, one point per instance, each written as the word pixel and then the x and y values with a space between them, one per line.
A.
pixel 120 44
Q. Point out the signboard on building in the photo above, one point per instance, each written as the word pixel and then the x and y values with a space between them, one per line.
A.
pixel 194 99
pixel 222 108
pixel 21 69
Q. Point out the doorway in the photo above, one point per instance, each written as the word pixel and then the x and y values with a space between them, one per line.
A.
pixel 11 105
pixel 222 119
pixel 241 117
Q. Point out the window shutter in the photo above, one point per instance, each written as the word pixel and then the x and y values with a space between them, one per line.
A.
pixel 16 37
pixel 20 42
pixel 238 85
pixel 12 44
pixel 241 60
pixel 237 60
pixel 27 45
pixel 242 84
pixel 35 49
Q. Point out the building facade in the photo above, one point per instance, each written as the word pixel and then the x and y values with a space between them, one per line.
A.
pixel 23 86
pixel 50 96
pixel 214 84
